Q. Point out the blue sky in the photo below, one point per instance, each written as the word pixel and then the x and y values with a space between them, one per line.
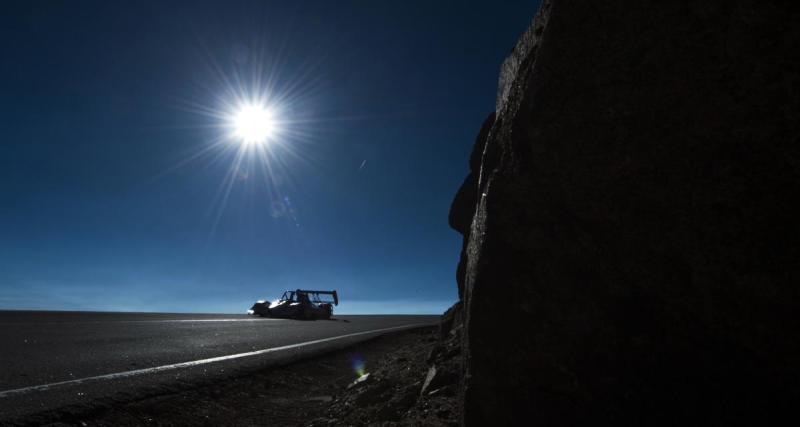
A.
pixel 117 182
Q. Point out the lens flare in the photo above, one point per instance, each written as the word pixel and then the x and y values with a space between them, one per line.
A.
pixel 359 366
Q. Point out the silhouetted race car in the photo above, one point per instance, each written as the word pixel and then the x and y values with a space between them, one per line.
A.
pixel 298 304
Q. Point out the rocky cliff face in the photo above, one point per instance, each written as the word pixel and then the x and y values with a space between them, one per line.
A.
pixel 632 248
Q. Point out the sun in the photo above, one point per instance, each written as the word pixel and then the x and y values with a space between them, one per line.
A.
pixel 254 124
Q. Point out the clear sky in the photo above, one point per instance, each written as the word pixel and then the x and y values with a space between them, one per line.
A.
pixel 121 187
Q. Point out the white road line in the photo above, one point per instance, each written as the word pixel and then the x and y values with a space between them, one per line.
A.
pixel 194 320
pixel 181 365
pixel 256 319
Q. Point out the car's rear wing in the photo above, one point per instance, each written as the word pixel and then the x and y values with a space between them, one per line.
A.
pixel 316 294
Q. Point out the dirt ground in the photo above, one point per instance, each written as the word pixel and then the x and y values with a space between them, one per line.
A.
pixel 407 378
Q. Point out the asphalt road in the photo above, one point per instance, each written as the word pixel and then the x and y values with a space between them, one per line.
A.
pixel 54 359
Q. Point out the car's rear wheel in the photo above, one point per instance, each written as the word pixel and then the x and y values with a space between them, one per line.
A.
pixel 327 313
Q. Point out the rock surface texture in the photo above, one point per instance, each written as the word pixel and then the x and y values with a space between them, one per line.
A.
pixel 632 239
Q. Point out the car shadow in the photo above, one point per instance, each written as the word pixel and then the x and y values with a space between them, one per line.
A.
pixel 333 319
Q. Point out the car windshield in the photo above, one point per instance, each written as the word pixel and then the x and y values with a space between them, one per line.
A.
pixel 288 295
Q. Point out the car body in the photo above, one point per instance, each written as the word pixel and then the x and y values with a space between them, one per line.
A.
pixel 297 304
pixel 260 308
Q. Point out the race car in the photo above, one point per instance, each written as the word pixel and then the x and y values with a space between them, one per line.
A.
pixel 298 304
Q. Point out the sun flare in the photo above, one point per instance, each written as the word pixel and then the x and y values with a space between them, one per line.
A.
pixel 254 124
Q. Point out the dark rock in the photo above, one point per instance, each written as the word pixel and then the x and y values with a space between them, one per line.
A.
pixel 388 413
pixel 450 319
pixel 445 375
pixel 434 392
pixel 373 394
pixel 321 421
pixel 435 351
pixel 428 380
pixel 404 400
pixel 632 249
pixel 463 205
pixel 359 381
pixel 450 353
pixel 448 390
